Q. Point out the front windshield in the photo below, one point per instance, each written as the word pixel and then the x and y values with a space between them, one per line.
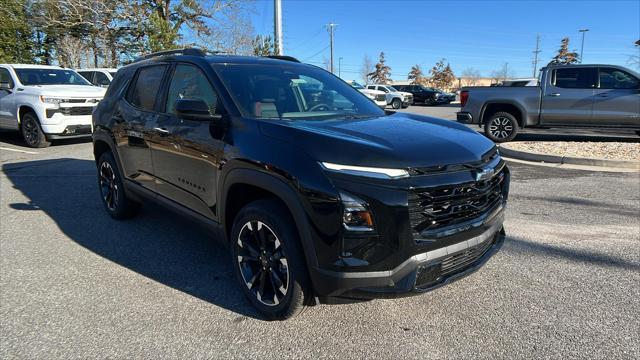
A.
pixel 391 88
pixel 112 73
pixel 50 77
pixel 293 92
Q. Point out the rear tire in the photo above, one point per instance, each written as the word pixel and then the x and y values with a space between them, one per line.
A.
pixel 396 104
pixel 501 127
pixel 268 260
pixel 114 197
pixel 32 131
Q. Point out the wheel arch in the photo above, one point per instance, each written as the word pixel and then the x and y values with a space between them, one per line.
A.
pixel 242 186
pixel 23 110
pixel 510 107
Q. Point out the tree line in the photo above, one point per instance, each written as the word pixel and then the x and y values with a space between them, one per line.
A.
pixel 108 33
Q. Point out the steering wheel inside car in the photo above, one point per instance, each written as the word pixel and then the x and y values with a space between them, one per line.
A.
pixel 320 107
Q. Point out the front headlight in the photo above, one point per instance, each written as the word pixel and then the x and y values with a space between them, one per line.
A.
pixel 52 100
pixel 355 214
pixel 379 173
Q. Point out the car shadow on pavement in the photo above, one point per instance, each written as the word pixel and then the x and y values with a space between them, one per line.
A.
pixel 14 138
pixel 531 248
pixel 157 244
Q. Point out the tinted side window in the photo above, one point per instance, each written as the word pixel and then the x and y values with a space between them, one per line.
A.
pixel 575 78
pixel 611 78
pixel 5 76
pixel 189 82
pixel 100 79
pixel 87 75
pixel 143 92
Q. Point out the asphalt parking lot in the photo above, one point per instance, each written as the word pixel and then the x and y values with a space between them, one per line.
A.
pixel 76 284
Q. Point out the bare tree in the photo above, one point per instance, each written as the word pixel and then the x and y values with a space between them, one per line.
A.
pixel 470 77
pixel 72 51
pixel 635 59
pixel 367 67
pixel 501 74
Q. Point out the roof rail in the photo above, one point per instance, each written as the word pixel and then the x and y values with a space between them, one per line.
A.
pixel 185 51
pixel 283 57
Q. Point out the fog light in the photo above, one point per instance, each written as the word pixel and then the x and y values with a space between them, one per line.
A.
pixel 355 214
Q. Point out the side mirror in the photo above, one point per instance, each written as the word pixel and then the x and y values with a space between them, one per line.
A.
pixel 194 109
pixel 5 86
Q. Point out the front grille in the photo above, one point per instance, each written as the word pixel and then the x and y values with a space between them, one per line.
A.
pixel 71 111
pixel 460 261
pixel 434 208
pixel 380 97
pixel 431 274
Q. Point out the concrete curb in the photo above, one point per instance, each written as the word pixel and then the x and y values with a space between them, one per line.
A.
pixel 556 159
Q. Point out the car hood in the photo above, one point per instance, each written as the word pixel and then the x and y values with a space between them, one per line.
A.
pixel 397 141
pixel 81 91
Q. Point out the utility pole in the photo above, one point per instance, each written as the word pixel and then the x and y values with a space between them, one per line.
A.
pixel 536 52
pixel 330 27
pixel 582 46
pixel 340 66
pixel 277 25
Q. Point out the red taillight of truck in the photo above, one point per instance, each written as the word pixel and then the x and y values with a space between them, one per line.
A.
pixel 464 96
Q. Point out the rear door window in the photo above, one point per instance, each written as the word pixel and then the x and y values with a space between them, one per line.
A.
pixel 575 78
pixel 146 88
pixel 611 78
pixel 87 75
pixel 100 79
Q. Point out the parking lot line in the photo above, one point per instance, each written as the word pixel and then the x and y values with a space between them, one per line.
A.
pixel 18 150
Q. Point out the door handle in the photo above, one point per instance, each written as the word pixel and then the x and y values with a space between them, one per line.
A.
pixel 554 94
pixel 162 131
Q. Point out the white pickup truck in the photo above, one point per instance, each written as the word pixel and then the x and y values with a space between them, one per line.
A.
pixel 46 103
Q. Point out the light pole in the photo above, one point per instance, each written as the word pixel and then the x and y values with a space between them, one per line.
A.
pixel 339 66
pixel 582 46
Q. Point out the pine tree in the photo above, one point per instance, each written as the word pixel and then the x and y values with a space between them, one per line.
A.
pixel 564 56
pixel 416 76
pixel 264 46
pixel 16 37
pixel 382 72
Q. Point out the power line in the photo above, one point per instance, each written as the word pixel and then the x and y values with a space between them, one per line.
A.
pixel 316 54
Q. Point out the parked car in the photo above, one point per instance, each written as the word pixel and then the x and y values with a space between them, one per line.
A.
pixel 397 99
pixel 591 96
pixel 317 202
pixel 98 77
pixel 46 103
pixel 379 97
pixel 422 94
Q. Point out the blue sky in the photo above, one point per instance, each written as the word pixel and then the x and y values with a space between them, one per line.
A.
pixel 477 34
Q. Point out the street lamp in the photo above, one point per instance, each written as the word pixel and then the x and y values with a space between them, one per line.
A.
pixel 582 46
pixel 339 66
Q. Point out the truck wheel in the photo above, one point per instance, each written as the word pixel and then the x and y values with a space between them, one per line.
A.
pixel 114 198
pixel 32 132
pixel 268 260
pixel 396 104
pixel 501 127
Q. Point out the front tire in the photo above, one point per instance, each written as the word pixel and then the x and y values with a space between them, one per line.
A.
pixel 112 191
pixel 501 127
pixel 268 260
pixel 32 131
pixel 396 104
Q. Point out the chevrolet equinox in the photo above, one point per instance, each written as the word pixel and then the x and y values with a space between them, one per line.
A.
pixel 320 195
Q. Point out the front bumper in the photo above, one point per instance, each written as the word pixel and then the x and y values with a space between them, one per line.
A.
pixel 422 272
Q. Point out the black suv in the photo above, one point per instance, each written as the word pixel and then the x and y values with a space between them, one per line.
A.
pixel 423 94
pixel 320 195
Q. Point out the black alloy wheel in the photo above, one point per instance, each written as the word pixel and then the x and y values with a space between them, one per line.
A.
pixel 108 186
pixel 263 263
pixel 31 131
